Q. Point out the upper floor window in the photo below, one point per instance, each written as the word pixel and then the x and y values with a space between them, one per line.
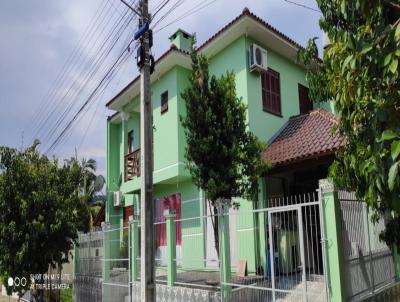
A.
pixel 164 102
pixel 271 92
pixel 130 141
pixel 305 103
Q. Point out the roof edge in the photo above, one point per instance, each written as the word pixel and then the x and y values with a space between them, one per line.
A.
pixel 172 49
pixel 245 13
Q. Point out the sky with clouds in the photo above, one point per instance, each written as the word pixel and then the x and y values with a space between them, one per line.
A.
pixel 38 38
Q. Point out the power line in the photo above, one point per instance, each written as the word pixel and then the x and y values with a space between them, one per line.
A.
pixel 132 8
pixel 116 8
pixel 99 60
pixel 44 104
pixel 175 6
pixel 78 75
pixel 70 123
pixel 101 55
pixel 188 13
pixel 303 6
pixel 162 5
pixel 101 94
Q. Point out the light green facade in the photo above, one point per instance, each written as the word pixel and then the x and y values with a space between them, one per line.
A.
pixel 170 174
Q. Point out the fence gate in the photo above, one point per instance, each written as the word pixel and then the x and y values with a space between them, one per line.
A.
pixel 293 259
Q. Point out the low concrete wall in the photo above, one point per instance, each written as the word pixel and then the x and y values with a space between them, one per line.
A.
pixel 87 289
pixel 165 293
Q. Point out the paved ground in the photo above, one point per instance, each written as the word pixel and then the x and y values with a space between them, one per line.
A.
pixel 6 299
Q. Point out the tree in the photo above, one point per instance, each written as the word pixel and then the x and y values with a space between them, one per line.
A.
pixel 41 212
pixel 360 72
pixel 222 156
pixel 92 186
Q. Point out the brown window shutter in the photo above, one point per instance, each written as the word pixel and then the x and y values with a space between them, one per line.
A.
pixel 271 94
pixel 305 103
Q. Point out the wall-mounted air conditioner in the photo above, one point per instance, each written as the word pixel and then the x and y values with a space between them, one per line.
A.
pixel 258 58
pixel 117 199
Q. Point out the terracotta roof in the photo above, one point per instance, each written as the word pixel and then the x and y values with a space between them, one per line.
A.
pixel 304 137
pixel 245 13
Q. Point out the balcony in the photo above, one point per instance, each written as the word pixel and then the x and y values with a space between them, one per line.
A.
pixel 132 165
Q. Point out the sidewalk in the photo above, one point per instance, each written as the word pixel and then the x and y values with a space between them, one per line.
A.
pixel 7 299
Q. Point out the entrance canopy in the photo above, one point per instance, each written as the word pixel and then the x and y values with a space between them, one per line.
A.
pixel 301 152
pixel 304 137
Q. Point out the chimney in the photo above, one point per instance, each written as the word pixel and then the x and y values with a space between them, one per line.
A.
pixel 182 40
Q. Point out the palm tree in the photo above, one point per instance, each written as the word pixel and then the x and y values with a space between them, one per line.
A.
pixel 92 187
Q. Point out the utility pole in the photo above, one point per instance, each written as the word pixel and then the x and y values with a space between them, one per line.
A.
pixel 147 271
pixel 147 244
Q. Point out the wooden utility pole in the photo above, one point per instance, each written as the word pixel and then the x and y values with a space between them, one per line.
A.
pixel 147 271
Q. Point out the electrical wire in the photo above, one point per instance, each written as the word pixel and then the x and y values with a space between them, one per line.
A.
pixel 99 60
pixel 175 6
pixel 162 5
pixel 78 75
pixel 108 78
pixel 101 54
pixel 123 61
pixel 188 13
pixel 70 123
pixel 68 65
pixel 303 6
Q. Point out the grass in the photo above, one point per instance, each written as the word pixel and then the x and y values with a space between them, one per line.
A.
pixel 66 295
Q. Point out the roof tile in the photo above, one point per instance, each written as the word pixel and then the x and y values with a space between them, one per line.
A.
pixel 303 137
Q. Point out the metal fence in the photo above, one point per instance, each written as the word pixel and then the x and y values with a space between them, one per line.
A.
pixel 368 261
pixel 275 254
pixel 196 259
pixel 116 267
pixel 286 237
pixel 87 281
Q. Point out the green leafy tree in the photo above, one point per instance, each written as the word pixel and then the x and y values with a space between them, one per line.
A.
pixel 222 156
pixel 92 187
pixel 360 72
pixel 41 212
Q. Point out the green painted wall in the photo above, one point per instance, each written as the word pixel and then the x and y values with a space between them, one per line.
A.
pixel 262 123
pixel 170 174
pixel 113 172
pixel 193 245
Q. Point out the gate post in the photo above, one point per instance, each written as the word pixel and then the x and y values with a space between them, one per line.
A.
pixel 224 252
pixel 134 247
pixel 330 208
pixel 170 216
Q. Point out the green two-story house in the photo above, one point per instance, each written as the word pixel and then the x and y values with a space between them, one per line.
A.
pixel 271 83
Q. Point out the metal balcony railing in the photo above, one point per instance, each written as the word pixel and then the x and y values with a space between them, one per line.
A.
pixel 132 165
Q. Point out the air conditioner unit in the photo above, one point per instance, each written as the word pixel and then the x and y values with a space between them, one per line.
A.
pixel 258 58
pixel 117 199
